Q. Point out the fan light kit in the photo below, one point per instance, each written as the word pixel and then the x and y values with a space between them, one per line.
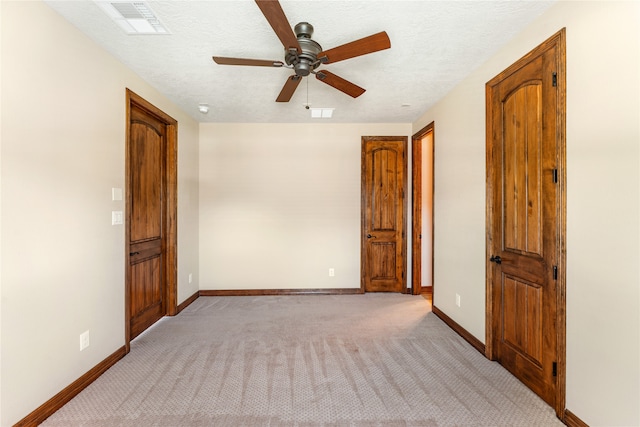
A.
pixel 304 55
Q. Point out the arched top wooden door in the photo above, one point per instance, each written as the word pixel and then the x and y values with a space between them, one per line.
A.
pixel 384 171
pixel 151 216
pixel 525 220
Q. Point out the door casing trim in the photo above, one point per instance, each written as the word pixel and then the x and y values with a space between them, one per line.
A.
pixel 416 207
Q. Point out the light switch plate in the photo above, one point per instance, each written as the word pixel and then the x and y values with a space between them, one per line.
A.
pixel 84 340
pixel 116 217
pixel 116 194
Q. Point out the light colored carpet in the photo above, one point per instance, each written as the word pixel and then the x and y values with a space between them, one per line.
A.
pixel 317 360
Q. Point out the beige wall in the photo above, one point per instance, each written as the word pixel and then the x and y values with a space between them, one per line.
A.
pixel 62 150
pixel 280 204
pixel 62 265
pixel 603 134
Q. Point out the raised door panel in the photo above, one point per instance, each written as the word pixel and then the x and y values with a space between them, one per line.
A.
pixel 146 196
pixel 522 169
pixel 384 190
pixel 145 285
pixel 522 322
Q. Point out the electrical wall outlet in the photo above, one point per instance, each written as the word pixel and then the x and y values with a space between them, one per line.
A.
pixel 84 340
pixel 332 272
pixel 458 300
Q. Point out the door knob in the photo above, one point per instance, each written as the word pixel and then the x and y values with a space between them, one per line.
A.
pixel 369 236
pixel 496 259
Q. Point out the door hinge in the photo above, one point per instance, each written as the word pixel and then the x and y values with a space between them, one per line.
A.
pixel 555 79
pixel 554 369
pixel 555 272
pixel 555 176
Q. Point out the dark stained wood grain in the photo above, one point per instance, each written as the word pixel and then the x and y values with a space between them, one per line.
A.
pixel 339 83
pixel 289 88
pixel 221 60
pixel 260 292
pixel 416 215
pixel 571 420
pixel 151 222
pixel 525 221
pixel 186 303
pixel 272 10
pixel 475 342
pixel 417 231
pixel 48 408
pixel 363 46
pixel 146 157
pixel 384 176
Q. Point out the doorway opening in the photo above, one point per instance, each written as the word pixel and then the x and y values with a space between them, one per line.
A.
pixel 422 227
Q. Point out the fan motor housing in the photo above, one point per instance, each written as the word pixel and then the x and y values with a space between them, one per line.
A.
pixel 307 60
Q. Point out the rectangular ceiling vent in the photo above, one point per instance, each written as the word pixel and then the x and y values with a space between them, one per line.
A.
pixel 133 17
pixel 321 113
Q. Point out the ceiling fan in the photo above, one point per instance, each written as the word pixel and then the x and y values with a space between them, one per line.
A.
pixel 303 55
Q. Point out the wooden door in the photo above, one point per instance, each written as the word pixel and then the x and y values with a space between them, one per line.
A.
pixel 525 227
pixel 150 234
pixel 383 247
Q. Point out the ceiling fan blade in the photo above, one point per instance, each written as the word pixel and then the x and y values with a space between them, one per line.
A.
pixel 289 88
pixel 339 83
pixel 243 61
pixel 272 10
pixel 373 43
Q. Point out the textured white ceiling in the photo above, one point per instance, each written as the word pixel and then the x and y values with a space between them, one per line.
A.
pixel 434 45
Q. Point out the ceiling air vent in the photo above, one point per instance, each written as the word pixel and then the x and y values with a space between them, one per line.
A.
pixel 133 17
